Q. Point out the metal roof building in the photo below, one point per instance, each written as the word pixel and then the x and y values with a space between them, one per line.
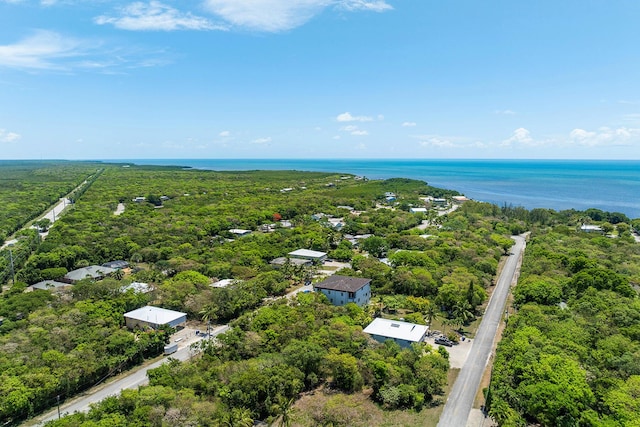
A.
pixel 404 333
pixel 341 290
pixel 309 254
pixel 90 272
pixel 154 317
pixel 47 285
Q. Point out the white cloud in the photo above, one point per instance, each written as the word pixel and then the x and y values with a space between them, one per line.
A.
pixel 409 124
pixel 437 141
pixel 283 15
pixel 505 112
pixel 336 137
pixel 262 140
pixel 224 134
pixel 520 136
pixel 632 117
pixel 347 117
pixel 42 50
pixel 360 133
pixel 380 117
pixel 372 5
pixel 604 136
pixel 155 16
pixel 349 128
pixel 48 50
pixel 6 136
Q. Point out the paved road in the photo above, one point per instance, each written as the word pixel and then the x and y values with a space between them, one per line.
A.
pixel 133 380
pixel 456 410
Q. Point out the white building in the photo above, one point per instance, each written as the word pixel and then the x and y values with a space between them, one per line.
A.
pixel 154 317
pixel 223 283
pixel 418 210
pixel 342 290
pixel 404 333
pixel 239 232
pixel 314 256
pixel 589 228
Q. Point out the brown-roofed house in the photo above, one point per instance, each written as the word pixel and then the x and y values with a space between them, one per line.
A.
pixel 342 290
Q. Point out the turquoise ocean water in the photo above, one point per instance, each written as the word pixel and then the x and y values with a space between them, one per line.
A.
pixel 556 184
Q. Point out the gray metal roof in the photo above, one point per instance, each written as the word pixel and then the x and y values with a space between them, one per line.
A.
pixel 91 272
pixel 343 283
pixel 49 284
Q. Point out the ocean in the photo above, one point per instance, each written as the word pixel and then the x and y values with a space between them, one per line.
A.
pixel 610 185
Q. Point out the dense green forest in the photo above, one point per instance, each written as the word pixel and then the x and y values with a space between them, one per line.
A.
pixel 177 237
pixel 27 190
pixel 571 354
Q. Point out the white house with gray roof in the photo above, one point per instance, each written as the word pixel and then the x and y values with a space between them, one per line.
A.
pixel 403 333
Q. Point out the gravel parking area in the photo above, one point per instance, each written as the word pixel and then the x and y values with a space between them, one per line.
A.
pixel 457 354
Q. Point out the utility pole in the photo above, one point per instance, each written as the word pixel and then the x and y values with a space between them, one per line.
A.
pixel 13 274
pixel 58 399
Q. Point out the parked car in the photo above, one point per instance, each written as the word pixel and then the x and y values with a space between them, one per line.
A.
pixel 444 341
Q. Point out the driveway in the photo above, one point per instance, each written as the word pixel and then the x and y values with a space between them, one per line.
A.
pixel 458 353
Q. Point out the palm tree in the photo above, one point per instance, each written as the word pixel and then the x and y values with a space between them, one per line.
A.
pixel 431 313
pixel 209 313
pixel 462 312
pixel 236 417
pixel 285 408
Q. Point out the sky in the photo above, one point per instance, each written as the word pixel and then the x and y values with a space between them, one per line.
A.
pixel 416 79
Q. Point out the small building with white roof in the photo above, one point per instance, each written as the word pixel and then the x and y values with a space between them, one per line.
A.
pixel 418 210
pixel 314 256
pixel 223 283
pixel 154 317
pixel 239 232
pixel 403 333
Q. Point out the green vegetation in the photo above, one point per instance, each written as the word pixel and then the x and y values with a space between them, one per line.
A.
pixel 576 328
pixel 27 189
pixel 571 354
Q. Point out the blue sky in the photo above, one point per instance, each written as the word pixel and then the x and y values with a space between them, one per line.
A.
pixel 101 79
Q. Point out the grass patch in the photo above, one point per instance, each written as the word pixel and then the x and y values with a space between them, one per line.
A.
pixel 322 408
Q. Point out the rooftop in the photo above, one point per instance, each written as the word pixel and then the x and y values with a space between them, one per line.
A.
pixel 343 283
pixel 396 329
pixel 223 283
pixel 307 253
pixel 49 284
pixel 157 315
pixel 92 272
pixel 137 287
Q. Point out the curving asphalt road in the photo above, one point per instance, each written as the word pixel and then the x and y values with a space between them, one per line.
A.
pixel 456 410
